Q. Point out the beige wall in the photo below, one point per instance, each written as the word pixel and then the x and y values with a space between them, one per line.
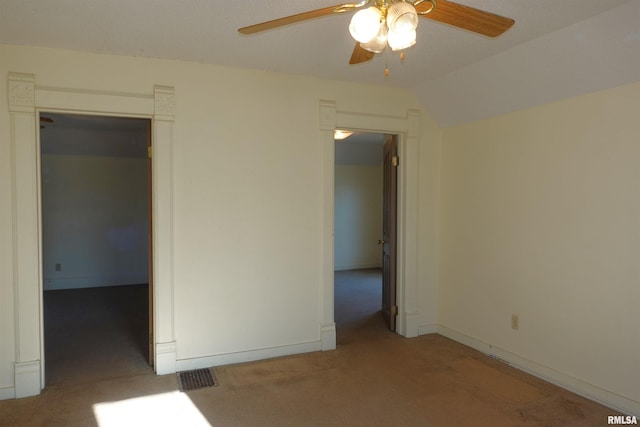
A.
pixel 358 216
pixel 540 217
pixel 247 196
pixel 536 213
pixel 95 221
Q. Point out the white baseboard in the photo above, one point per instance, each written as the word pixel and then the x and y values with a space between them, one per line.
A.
pixel 7 393
pixel 246 356
pixel 27 378
pixel 78 282
pixel 356 266
pixel 575 385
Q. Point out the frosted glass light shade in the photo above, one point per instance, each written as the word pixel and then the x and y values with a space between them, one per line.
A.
pixel 378 43
pixel 365 24
pixel 399 41
pixel 402 17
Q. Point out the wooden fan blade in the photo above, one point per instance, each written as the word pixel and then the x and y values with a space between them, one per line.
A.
pixel 263 26
pixel 468 18
pixel 360 55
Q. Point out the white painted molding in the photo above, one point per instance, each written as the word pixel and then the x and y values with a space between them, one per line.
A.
pixel 413 129
pixel 164 103
pixel 26 240
pixel 408 129
pixel 327 126
pixel 165 358
pixel 21 92
pixel 95 102
pixel 411 324
pixel 246 356
pixel 27 378
pixel 575 385
pixel 328 336
pixel 407 223
pixel 371 122
pixel 162 213
pixel 25 100
pixel 328 115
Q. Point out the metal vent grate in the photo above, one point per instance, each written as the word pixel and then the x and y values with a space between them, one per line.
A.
pixel 196 379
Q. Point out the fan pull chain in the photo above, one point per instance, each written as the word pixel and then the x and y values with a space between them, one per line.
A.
pixel 386 62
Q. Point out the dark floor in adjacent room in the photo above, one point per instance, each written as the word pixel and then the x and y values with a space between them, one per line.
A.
pixel 373 378
pixel 96 333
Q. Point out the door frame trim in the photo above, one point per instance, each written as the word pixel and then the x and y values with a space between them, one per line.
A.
pixel 408 130
pixel 26 100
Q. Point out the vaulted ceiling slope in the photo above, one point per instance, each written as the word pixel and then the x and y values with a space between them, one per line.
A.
pixel 557 48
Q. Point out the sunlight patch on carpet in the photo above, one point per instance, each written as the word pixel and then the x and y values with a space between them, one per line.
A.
pixel 158 410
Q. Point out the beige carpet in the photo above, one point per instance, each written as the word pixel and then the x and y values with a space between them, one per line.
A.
pixel 374 378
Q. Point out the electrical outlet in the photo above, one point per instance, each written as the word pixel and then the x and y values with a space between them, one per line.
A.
pixel 515 322
pixel 58 267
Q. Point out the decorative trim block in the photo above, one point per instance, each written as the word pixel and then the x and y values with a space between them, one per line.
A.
pixel 166 354
pixel 413 128
pixel 411 325
pixel 164 103
pixel 327 115
pixel 328 336
pixel 21 92
pixel 27 378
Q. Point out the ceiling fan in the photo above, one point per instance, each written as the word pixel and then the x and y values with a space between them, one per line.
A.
pixel 381 23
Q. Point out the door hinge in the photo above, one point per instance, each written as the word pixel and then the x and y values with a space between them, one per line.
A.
pixel 394 310
pixel 149 151
pixel 395 161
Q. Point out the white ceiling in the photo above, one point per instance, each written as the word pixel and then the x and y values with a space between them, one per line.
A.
pixel 206 31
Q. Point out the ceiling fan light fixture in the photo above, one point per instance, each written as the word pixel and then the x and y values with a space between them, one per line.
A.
pixel 378 43
pixel 403 40
pixel 399 19
pixel 365 24
pixel 402 17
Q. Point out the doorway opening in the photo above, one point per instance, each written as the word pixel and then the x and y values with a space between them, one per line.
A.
pixel 363 248
pixel 96 248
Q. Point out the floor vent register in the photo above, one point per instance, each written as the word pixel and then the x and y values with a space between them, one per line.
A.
pixel 196 379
